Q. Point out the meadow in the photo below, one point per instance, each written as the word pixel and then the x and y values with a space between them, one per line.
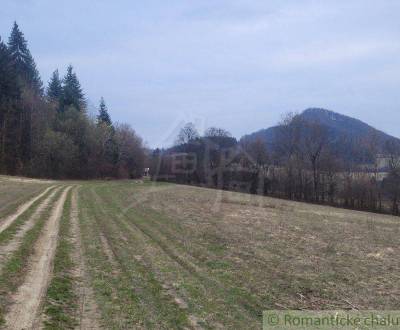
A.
pixel 142 255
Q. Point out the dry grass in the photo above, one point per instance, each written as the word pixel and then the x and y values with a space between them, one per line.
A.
pixel 288 254
pixel 167 256
pixel 14 192
pixel 224 257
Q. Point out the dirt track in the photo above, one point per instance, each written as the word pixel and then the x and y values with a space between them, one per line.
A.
pixel 28 298
pixel 11 246
pixel 21 209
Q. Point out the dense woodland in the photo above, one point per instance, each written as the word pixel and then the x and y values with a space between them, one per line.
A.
pixel 46 131
pixel 304 164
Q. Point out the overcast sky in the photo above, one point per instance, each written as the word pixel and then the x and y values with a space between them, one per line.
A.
pixel 238 64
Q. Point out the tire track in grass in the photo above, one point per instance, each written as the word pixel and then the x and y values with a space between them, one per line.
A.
pixel 28 298
pixel 145 253
pixel 150 256
pixel 162 233
pixel 20 210
pixel 148 252
pixel 11 238
pixel 243 303
pixel 247 307
pixel 158 311
pixel 112 292
pixel 89 317
pixel 200 254
pixel 120 271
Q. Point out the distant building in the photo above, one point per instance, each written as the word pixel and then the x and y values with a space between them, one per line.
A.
pixel 383 162
pixel 146 171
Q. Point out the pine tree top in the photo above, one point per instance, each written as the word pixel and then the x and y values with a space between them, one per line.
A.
pixel 72 91
pixel 17 45
pixel 103 116
pixel 23 61
pixel 54 88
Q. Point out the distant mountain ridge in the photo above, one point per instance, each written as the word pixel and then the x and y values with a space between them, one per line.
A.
pixel 342 129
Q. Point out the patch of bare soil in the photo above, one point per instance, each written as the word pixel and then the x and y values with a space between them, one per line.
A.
pixel 13 245
pixel 89 316
pixel 21 209
pixel 27 300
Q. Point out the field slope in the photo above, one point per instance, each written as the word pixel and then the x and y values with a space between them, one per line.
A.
pixel 143 255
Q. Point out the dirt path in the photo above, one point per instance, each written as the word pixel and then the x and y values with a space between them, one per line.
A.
pixel 27 300
pixel 25 180
pixel 89 315
pixel 13 245
pixel 21 209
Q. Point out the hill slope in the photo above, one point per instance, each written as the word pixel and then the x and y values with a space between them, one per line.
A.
pixel 343 130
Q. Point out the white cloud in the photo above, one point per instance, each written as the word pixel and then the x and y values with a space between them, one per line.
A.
pixel 332 54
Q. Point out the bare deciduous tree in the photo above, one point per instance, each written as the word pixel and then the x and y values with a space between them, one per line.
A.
pixel 187 134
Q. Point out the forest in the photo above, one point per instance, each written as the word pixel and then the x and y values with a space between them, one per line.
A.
pixel 47 131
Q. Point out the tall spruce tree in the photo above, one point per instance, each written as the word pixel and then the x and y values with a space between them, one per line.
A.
pixel 29 81
pixel 72 94
pixel 54 88
pixel 24 64
pixel 9 117
pixel 103 116
pixel 8 81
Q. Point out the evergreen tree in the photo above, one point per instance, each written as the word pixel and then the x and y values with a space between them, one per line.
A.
pixel 54 89
pixel 29 80
pixel 24 64
pixel 36 142
pixel 103 116
pixel 8 85
pixel 109 147
pixel 9 116
pixel 72 94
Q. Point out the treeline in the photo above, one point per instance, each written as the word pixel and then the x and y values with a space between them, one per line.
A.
pixel 303 165
pixel 47 131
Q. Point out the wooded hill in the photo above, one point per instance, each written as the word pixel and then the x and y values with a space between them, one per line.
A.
pixel 349 137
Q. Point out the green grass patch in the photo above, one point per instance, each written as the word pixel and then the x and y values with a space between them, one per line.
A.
pixel 218 264
pixel 129 296
pixel 211 288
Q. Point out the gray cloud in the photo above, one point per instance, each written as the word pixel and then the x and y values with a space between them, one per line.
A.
pixel 238 64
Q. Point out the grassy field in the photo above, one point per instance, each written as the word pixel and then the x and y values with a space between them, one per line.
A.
pixel 143 255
